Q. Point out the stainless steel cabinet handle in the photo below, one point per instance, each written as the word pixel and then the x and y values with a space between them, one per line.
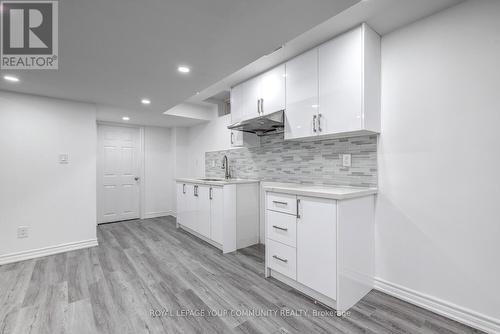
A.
pixel 280 259
pixel 278 202
pixel 232 136
pixel 262 106
pixel 258 106
pixel 298 204
pixel 314 123
pixel 319 122
pixel 184 188
pixel 196 191
pixel 280 228
pixel 210 194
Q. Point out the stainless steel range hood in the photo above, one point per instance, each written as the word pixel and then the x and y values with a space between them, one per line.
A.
pixel 262 125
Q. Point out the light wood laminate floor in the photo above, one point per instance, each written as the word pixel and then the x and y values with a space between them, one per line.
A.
pixel 146 265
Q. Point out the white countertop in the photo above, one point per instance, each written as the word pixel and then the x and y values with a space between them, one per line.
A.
pixel 331 192
pixel 215 181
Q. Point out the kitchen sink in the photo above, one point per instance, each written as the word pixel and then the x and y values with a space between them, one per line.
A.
pixel 212 179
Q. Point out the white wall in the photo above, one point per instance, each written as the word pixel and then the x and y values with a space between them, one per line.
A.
pixel 56 201
pixel 195 141
pixel 437 222
pixel 159 169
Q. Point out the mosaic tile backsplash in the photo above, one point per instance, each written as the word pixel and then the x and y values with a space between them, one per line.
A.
pixel 315 162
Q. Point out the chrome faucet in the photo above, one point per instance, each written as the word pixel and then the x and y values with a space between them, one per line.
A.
pixel 225 165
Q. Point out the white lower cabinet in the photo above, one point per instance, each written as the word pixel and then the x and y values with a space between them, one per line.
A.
pixel 317 245
pixel 181 203
pixel 217 214
pixel 227 216
pixel 203 209
pixel 321 247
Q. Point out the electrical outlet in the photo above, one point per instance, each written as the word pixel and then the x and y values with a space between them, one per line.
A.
pixel 63 158
pixel 22 232
pixel 346 160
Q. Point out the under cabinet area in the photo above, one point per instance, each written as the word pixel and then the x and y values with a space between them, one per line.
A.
pixel 320 246
pixel 243 139
pixel 223 214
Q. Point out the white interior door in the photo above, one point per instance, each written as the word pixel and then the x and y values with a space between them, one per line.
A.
pixel 118 173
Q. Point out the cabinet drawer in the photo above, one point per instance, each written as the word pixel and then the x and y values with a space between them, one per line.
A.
pixel 282 203
pixel 281 258
pixel 281 227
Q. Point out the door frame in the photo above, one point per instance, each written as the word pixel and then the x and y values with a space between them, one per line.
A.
pixel 141 159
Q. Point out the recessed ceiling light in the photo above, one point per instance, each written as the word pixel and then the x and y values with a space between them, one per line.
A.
pixel 126 118
pixel 11 78
pixel 146 101
pixel 315 106
pixel 183 69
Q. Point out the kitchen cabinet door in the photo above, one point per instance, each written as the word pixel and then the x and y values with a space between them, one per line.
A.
pixel 181 202
pixel 188 219
pixel 237 138
pixel 301 96
pixel 340 84
pixel 316 245
pixel 203 211
pixel 244 139
pixel 217 214
pixel 272 90
pixel 251 96
pixel 237 104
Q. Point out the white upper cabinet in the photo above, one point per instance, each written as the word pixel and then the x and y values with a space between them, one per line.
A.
pixel 272 90
pixel 301 96
pixel 251 98
pixel 237 104
pixel 349 83
pixel 217 214
pixel 243 139
pixel 261 95
pixel 332 90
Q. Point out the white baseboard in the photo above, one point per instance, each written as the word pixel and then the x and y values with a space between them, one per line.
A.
pixel 158 214
pixel 439 306
pixel 40 252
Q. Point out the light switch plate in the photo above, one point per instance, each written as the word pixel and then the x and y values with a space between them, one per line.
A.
pixel 346 160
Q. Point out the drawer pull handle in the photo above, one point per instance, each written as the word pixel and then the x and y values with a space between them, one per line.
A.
pixel 278 202
pixel 280 259
pixel 280 228
pixel 298 206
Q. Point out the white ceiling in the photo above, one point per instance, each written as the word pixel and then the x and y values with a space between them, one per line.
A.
pixel 182 115
pixel 115 52
pixel 384 16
